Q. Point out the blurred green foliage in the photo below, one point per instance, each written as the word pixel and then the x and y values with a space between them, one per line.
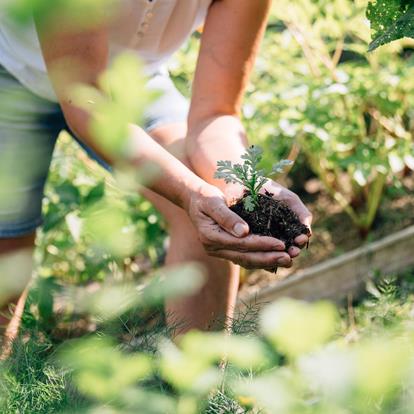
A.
pixel 317 92
pixel 79 196
pixel 351 115
pixel 304 358
pixel 80 13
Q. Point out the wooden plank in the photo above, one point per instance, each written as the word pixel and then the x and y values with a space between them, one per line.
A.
pixel 334 278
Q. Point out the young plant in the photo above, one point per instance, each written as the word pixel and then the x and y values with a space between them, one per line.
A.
pixel 248 174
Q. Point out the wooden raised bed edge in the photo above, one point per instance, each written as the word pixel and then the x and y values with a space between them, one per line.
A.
pixel 335 278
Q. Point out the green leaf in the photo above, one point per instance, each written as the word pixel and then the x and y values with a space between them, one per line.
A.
pixel 281 165
pixel 248 203
pixel 390 20
pixel 95 194
pixel 261 182
pixel 68 193
pixel 246 174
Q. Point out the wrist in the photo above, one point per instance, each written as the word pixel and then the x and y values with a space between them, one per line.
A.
pixel 214 139
pixel 193 187
pixel 197 123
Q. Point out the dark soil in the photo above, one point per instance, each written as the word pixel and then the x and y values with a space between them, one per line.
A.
pixel 272 218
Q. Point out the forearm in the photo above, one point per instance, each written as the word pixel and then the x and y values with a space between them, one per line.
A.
pixel 217 138
pixel 160 171
pixel 170 178
pixel 230 42
pixel 74 56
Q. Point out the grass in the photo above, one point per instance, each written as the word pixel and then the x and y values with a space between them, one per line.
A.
pixel 32 383
pixel 221 403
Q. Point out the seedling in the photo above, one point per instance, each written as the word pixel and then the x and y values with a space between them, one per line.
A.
pixel 248 174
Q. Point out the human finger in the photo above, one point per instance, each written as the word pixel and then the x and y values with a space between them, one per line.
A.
pixel 255 260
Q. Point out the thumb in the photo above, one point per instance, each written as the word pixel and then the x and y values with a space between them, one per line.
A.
pixel 306 219
pixel 218 210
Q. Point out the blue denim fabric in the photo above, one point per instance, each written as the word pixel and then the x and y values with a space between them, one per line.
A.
pixel 29 126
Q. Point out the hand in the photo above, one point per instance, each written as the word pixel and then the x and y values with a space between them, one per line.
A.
pixel 235 191
pixel 224 234
pixel 294 202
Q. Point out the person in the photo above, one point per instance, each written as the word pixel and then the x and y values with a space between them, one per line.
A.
pixel 184 140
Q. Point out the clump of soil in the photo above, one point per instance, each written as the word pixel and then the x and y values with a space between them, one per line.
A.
pixel 272 218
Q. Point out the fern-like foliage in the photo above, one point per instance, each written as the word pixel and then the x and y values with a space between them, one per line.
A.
pixel 390 20
pixel 248 174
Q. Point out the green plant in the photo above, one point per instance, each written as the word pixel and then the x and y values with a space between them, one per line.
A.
pixel 248 174
pixel 294 360
pixel 350 113
pixel 390 20
pixel 299 358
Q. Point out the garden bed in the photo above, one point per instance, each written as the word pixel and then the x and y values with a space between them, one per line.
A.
pixel 337 277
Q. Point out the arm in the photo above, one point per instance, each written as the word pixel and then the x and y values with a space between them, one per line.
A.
pixel 230 42
pixel 77 56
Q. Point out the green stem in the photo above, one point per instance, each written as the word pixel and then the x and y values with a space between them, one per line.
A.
pixel 340 198
pixel 374 198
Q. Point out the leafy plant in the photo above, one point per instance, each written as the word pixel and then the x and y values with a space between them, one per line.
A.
pixel 390 20
pixel 248 174
pixel 302 358
pixel 365 373
pixel 349 112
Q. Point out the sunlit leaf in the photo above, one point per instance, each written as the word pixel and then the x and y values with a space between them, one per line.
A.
pixel 100 370
pixel 296 327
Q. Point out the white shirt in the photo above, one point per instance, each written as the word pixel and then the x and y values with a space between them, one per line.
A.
pixel 154 29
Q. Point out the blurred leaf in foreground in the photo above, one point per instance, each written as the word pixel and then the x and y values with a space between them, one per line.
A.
pixel 100 370
pixel 296 327
pixel 81 13
pixel 119 101
pixel 112 299
pixel 110 229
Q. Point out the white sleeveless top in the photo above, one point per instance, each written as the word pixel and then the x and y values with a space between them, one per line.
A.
pixel 154 29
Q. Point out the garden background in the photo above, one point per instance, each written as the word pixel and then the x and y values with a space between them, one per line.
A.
pixel 92 342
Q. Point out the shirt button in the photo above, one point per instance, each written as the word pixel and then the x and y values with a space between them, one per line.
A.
pixel 147 19
pixel 144 26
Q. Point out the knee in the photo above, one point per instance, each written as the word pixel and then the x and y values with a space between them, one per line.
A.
pixel 16 266
pixel 10 245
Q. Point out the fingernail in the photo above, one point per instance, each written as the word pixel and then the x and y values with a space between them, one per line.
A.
pixel 284 261
pixel 280 246
pixel 294 251
pixel 301 241
pixel 239 230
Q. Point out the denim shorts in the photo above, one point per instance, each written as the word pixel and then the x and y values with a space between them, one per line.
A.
pixel 29 126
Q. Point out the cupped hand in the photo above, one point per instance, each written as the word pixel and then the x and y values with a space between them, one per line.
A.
pixel 225 235
pixel 294 202
pixel 234 192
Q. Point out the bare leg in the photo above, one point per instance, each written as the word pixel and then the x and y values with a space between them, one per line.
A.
pixel 10 321
pixel 214 304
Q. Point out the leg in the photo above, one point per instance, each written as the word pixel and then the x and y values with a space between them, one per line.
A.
pixel 210 307
pixel 29 126
pixel 14 298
